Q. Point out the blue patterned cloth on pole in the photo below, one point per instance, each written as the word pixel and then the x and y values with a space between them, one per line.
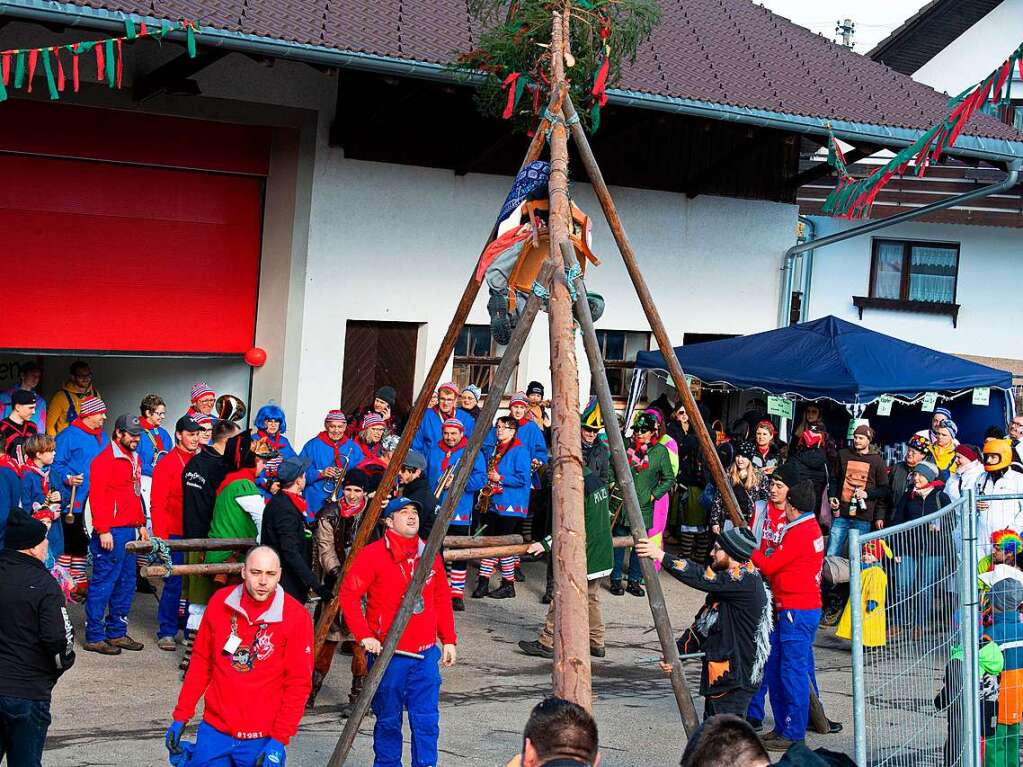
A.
pixel 532 178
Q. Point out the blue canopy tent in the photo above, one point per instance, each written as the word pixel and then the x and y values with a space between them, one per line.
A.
pixel 833 359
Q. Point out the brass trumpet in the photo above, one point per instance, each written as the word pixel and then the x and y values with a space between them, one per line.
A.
pixel 230 408
pixel 339 482
pixel 442 481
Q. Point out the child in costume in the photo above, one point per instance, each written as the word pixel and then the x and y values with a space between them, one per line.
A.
pixel 874 589
pixel 950 697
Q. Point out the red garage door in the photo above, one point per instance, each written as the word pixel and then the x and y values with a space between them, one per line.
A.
pixel 140 233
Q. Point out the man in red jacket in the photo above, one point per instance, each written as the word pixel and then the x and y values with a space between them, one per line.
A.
pixel 115 497
pixel 381 573
pixel 253 663
pixel 793 569
pixel 167 524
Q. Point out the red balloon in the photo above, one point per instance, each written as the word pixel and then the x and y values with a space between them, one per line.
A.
pixel 255 356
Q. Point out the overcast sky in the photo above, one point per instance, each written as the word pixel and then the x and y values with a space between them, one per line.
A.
pixel 874 19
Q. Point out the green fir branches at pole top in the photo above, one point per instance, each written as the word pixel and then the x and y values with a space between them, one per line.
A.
pixel 513 53
pixel 853 198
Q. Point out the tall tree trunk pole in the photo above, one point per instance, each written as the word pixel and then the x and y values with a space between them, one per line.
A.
pixel 571 668
pixel 431 548
pixel 440 361
pixel 710 455
pixel 654 593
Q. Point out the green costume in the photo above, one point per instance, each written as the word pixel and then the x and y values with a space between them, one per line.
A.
pixel 598 527
pixel 651 482
pixel 230 520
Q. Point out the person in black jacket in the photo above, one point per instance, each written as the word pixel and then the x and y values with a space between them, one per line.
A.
pixel 416 486
pixel 284 531
pixel 202 476
pixel 37 642
pixel 734 625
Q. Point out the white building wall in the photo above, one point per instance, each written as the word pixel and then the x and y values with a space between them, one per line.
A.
pixel 976 52
pixel 990 271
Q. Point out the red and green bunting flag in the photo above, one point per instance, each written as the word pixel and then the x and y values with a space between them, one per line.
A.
pixel 19 66
pixel 852 198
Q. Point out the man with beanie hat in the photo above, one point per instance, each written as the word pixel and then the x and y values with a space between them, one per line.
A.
pixel 536 410
pixel 769 518
pixel 203 400
pixel 380 575
pixel 329 454
pixel 37 642
pixel 117 518
pixel 733 627
pixel 19 425
pixel 857 491
pixel 335 530
pixel 430 428
pixel 413 483
pixel 77 445
pixel 793 570
pixel 383 404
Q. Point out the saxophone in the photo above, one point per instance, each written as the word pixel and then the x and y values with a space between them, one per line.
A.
pixel 488 489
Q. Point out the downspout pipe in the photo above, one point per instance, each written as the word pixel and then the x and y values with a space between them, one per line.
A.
pixel 785 308
pixel 811 235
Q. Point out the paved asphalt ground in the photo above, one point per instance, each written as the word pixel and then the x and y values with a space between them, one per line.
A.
pixel 114 710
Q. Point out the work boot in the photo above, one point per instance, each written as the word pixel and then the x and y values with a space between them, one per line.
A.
pixel 635 589
pixel 167 644
pixel 318 677
pixel 500 322
pixel 616 587
pixel 126 643
pixel 353 695
pixel 778 743
pixel 597 651
pixel 458 604
pixel 482 588
pixel 103 648
pixel 548 594
pixel 505 591
pixel 536 649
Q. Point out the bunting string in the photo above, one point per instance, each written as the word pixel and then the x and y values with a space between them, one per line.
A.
pixel 853 198
pixel 108 53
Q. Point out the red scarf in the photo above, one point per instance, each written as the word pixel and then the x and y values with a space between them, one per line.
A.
pixel 234 476
pixel 350 511
pixel 296 499
pixel 405 552
pixel 276 441
pixel 145 423
pixel 637 454
pixel 7 462
pixel 335 446
pixel 923 492
pixel 153 433
pixel 449 450
pixel 31 466
pixel 524 420
pixel 369 452
pixel 97 432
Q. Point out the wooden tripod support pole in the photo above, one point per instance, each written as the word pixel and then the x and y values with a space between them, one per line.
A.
pixel 447 347
pixel 654 593
pixel 502 376
pixel 710 455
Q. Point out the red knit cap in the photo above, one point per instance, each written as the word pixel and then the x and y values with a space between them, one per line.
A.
pixel 967 452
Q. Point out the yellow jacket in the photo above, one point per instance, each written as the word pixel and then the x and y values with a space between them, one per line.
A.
pixel 874 583
pixel 59 409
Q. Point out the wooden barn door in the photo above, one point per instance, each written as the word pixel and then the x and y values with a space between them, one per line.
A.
pixel 378 354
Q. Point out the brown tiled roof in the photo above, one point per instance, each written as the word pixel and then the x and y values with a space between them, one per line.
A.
pixel 722 51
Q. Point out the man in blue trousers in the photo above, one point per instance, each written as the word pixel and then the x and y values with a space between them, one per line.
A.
pixel 381 573
pixel 793 569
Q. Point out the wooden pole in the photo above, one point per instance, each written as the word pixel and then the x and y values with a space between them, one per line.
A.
pixel 194 544
pixel 482 541
pixel 222 568
pixel 502 376
pixel 654 593
pixel 440 361
pixel 466 555
pixel 710 455
pixel 571 669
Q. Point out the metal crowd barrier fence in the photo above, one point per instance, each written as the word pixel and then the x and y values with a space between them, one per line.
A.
pixel 909 613
pixel 927 690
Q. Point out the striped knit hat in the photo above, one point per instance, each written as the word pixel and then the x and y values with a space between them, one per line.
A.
pixel 372 419
pixel 200 390
pixel 336 416
pixel 450 386
pixel 518 398
pixel 91 406
pixel 204 421
pixel 453 423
